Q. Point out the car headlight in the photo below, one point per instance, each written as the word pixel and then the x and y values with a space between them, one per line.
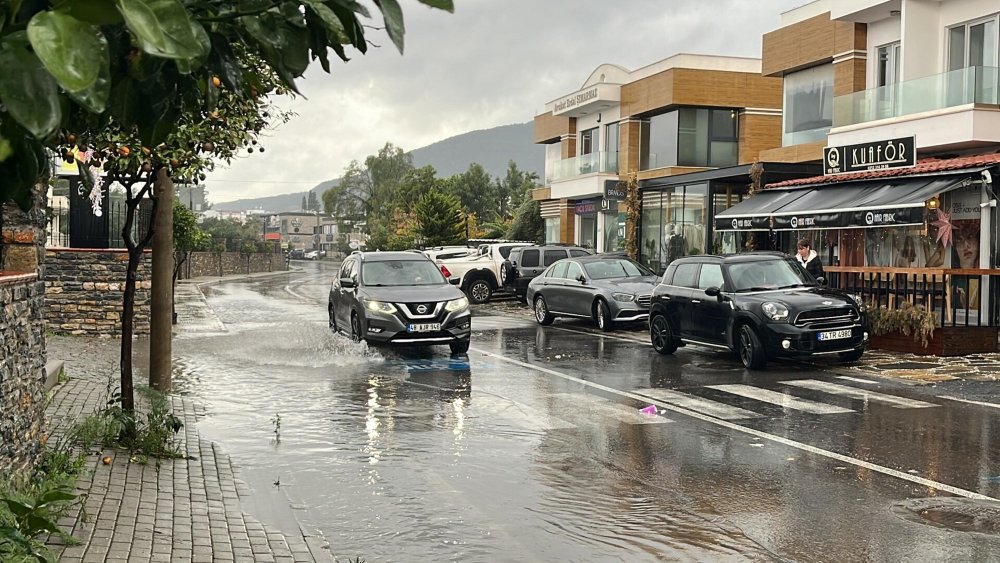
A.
pixel 860 302
pixel 380 307
pixel 625 297
pixel 456 305
pixel 775 311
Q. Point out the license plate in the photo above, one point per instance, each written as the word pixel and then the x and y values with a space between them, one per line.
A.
pixel 425 327
pixel 834 335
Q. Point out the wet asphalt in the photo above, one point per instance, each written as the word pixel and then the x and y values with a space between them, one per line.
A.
pixel 532 446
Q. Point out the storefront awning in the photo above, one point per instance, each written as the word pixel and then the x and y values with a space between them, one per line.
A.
pixel 881 203
pixel 754 213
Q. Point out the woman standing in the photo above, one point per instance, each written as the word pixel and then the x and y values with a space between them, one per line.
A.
pixel 808 258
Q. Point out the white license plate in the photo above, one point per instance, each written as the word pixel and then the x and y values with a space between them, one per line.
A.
pixel 834 335
pixel 425 327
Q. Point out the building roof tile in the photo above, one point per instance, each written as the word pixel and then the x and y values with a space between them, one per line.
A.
pixel 924 166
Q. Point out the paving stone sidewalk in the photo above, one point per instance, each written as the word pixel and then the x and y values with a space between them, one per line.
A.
pixel 167 510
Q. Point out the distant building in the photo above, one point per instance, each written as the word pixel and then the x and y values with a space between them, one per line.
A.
pixel 191 195
pixel 303 230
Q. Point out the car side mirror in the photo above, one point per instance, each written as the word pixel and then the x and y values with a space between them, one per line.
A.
pixel 347 283
pixel 454 281
pixel 713 292
pixel 581 279
pixel 821 280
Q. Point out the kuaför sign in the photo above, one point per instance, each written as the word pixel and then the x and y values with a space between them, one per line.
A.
pixel 867 157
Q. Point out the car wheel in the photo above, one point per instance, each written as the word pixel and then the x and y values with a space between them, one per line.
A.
pixel 332 318
pixel 355 327
pixel 504 273
pixel 853 355
pixel 660 335
pixel 459 347
pixel 750 349
pixel 602 314
pixel 542 314
pixel 480 291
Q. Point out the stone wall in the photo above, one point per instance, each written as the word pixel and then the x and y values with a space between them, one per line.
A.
pixel 84 289
pixel 202 264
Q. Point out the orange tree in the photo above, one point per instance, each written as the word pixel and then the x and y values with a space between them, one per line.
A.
pixel 151 89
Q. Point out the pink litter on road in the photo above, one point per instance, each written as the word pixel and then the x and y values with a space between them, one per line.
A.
pixel 651 410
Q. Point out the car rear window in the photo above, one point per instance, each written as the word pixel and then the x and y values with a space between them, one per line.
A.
pixel 505 251
pixel 553 256
pixel 559 270
pixel 529 258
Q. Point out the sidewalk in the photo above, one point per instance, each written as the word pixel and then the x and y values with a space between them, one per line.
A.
pixel 167 510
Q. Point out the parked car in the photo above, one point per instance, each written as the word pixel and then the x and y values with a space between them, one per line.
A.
pixel 758 304
pixel 311 255
pixel 607 289
pixel 296 254
pixel 479 274
pixel 449 252
pixel 398 298
pixel 527 262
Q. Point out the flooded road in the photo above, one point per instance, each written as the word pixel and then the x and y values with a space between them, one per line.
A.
pixel 533 448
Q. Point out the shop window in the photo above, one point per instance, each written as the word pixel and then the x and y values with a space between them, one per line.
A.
pixel 552 229
pixel 611 133
pixel 696 137
pixel 651 219
pixel 808 111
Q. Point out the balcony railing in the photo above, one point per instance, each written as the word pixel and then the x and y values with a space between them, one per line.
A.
pixel 975 84
pixel 583 164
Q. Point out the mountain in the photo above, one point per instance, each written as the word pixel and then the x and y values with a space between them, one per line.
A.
pixel 491 148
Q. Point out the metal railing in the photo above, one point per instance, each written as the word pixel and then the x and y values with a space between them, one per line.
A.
pixel 958 297
pixel 80 228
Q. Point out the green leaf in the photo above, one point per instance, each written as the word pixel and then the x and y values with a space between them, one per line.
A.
pixel 74 52
pixel 126 103
pixel 157 122
pixel 164 28
pixel 96 97
pixel 38 524
pixel 57 495
pixel 29 91
pixel 446 5
pixel 98 12
pixel 352 6
pixel 224 62
pixel 352 27
pixel 188 66
pixel 6 149
pixel 393 16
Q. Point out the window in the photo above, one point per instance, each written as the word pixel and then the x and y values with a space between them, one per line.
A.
pixel 973 44
pixel 552 229
pixel 684 275
pixel 551 256
pixel 699 137
pixel 578 253
pixel 505 251
pixel 711 276
pixel 808 113
pixel 611 146
pixel 886 77
pixel 529 258
pixel 345 270
pixel 558 270
pixel 589 141
pixel 573 271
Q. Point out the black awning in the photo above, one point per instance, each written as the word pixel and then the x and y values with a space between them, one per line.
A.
pixel 883 203
pixel 754 213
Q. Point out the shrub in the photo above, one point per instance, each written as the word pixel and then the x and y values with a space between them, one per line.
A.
pixel 907 319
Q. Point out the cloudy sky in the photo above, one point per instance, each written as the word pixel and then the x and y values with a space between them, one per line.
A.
pixel 490 63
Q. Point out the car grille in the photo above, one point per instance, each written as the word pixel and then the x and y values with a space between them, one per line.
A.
pixel 412 310
pixel 827 318
pixel 645 299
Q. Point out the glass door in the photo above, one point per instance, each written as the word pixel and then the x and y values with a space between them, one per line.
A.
pixel 887 76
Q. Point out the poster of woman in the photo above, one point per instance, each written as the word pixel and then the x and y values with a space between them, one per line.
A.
pixel 965 233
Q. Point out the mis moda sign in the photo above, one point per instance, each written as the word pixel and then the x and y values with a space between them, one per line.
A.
pixel 868 157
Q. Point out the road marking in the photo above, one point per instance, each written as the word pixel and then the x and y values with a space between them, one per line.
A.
pixel 761 434
pixel 870 382
pixel 711 408
pixel 599 407
pixel 781 399
pixel 970 401
pixel 855 393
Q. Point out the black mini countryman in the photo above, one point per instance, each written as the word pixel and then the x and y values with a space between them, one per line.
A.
pixel 760 305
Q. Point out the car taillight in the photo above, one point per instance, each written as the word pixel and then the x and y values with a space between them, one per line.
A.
pixel 445 271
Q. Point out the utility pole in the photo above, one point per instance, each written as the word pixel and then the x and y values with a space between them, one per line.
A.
pixel 161 292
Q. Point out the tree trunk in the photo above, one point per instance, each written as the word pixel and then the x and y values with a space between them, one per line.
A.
pixel 128 320
pixel 178 266
pixel 161 294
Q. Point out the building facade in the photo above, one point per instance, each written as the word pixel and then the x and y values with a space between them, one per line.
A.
pixel 687 127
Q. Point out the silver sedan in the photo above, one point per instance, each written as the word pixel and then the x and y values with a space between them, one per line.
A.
pixel 607 289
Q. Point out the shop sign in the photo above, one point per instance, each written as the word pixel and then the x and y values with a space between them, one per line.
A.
pixel 867 157
pixel 615 190
pixel 850 219
pixel 760 223
pixel 588 207
pixel 609 205
pixel 573 100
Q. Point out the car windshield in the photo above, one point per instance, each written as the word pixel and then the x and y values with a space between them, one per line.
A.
pixel 763 275
pixel 615 268
pixel 401 272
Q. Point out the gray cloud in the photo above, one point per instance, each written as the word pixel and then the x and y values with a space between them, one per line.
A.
pixel 490 63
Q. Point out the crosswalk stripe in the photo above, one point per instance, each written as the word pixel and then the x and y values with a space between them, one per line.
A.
pixel 704 406
pixel 855 393
pixel 780 399
pixel 598 408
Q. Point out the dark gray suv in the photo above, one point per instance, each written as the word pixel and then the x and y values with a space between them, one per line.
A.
pixel 527 262
pixel 398 298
